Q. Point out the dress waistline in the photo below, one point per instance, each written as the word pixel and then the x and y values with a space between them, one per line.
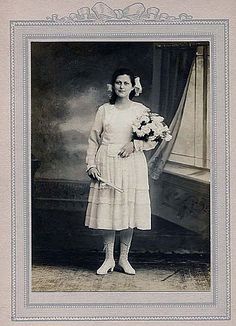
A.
pixel 113 149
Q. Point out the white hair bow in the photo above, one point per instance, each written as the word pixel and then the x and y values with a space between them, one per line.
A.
pixel 137 87
pixel 109 87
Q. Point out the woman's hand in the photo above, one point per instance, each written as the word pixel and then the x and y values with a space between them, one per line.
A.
pixel 94 173
pixel 126 150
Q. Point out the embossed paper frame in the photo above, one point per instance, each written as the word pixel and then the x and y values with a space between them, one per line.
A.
pixel 148 306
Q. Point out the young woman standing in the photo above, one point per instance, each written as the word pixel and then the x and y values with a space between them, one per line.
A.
pixel 115 157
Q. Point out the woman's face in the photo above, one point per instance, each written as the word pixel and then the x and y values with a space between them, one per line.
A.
pixel 123 86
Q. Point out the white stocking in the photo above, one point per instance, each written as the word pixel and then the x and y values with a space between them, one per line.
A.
pixel 126 236
pixel 125 242
pixel 108 236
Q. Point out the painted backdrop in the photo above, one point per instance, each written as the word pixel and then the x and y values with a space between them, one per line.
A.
pixel 68 84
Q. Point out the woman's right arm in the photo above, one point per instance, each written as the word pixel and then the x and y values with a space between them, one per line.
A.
pixel 95 138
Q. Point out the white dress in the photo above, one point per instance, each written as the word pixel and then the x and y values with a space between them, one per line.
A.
pixel 107 208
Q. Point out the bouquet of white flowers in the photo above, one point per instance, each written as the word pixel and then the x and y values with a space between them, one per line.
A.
pixel 150 126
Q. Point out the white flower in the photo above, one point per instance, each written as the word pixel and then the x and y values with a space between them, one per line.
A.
pixel 140 133
pixel 157 133
pixel 157 118
pixel 158 129
pixel 145 118
pixel 135 128
pixel 168 137
pixel 146 129
pixel 165 128
pixel 152 126
pixel 152 137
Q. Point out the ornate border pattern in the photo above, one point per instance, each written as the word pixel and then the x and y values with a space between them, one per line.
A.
pixel 13 173
pixel 26 38
pixel 101 17
pixel 227 169
pixel 101 12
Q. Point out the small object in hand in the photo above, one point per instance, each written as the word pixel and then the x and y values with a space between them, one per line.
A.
pixel 93 174
pixel 104 182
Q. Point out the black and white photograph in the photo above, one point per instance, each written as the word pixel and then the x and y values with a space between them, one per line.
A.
pixel 120 166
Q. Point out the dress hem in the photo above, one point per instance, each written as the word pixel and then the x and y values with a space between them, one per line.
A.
pixel 118 229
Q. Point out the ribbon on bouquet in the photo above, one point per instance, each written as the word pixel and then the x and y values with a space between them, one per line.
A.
pixel 105 182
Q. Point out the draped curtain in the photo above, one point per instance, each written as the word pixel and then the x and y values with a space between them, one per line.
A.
pixel 171 74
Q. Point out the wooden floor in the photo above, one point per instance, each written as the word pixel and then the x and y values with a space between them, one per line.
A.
pixel 162 274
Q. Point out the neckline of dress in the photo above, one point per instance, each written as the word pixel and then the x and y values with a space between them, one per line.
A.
pixel 125 109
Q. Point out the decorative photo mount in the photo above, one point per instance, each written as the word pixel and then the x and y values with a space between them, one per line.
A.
pixel 132 24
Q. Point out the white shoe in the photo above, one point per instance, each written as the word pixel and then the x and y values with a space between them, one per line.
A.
pixel 109 262
pixel 123 260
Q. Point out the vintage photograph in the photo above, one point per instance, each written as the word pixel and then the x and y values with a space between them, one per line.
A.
pixel 120 166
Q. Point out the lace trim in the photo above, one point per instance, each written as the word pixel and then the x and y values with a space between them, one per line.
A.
pixel 120 204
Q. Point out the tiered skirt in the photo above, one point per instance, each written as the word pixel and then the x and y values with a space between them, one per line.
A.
pixel 110 209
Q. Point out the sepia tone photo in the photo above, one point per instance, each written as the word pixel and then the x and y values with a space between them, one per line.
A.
pixel 111 209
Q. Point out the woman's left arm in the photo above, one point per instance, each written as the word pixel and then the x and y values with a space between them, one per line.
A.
pixel 136 145
pixel 141 145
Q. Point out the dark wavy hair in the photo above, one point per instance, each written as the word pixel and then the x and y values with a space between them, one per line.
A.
pixel 119 72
